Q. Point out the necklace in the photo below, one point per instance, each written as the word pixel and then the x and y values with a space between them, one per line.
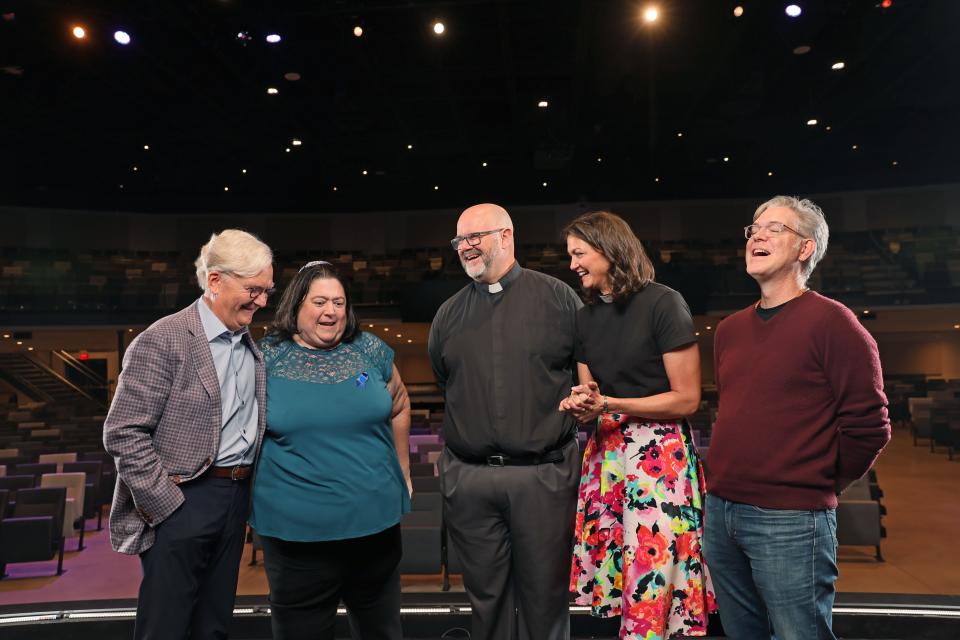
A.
pixel 802 291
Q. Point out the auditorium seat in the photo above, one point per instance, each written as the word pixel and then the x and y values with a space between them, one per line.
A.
pixel 73 519
pixel 95 498
pixel 57 459
pixel 34 532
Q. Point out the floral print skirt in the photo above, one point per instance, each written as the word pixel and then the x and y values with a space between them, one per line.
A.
pixel 639 527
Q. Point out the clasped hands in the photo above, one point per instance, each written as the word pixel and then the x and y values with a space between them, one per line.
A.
pixel 584 403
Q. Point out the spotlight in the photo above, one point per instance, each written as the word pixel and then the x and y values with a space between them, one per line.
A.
pixel 358 31
pixel 409 146
pixel 272 91
pixel 296 142
pixel 726 158
pixel 122 37
pixel 738 11
pixel 243 170
pixel 273 38
pixel 650 14
pixel 226 188
pixel 793 10
pixel 439 28
pixel 837 66
pixel 483 164
pixel 436 187
pixel 146 147
pixel 812 122
pixel 543 104
pixel 79 32
pixel 544 184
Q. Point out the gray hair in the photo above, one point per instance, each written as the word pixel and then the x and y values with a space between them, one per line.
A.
pixel 235 252
pixel 812 224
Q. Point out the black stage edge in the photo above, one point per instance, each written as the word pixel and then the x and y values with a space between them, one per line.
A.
pixel 857 616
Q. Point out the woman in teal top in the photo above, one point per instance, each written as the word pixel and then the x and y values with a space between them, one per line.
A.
pixel 333 478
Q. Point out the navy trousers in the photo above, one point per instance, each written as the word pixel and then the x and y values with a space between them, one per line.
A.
pixel 190 572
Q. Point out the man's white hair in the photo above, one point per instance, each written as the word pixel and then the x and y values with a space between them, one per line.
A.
pixel 235 252
pixel 812 224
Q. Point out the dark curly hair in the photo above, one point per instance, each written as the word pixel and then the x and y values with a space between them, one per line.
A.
pixel 284 325
pixel 608 233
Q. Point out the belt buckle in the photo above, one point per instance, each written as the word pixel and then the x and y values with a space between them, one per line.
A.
pixel 234 473
pixel 496 461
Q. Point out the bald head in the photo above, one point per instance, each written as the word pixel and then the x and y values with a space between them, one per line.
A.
pixel 492 257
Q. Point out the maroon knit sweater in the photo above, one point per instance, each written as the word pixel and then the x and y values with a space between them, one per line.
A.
pixel 802 409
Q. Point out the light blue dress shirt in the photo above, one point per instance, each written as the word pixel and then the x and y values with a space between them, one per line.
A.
pixel 236 371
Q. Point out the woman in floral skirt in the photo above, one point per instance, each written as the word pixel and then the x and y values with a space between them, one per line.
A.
pixel 640 508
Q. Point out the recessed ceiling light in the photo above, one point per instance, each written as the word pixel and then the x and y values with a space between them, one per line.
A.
pixel 709 327
pixel 599 159
pixel 273 38
pixel 122 37
pixel 399 335
pixel 894 163
pixel 129 330
pixel 409 146
pixel 334 188
pixel 364 172
pixel 79 32
pixel 650 14
pixel 29 348
pixel 769 173
pixel 358 31
pixel 135 168
pixel 436 187
pixel 656 179
pixel 370 326
pixel 273 91
pixel 827 128
pixel 543 104
pixel 243 170
pixel 483 164
pixel 19 341
pixel 854 147
pixel 801 50
pixel 287 149
pixel 439 28
pixel 409 340
pixel 956 326
pixel 226 188
pixel 6 335
pixel 386 328
pixel 726 158
pixel 544 184
pixel 697 333
pixel 793 10
pixel 679 134
pixel 738 11
pixel 837 66
pixel 296 142
pixel 812 122
pixel 146 147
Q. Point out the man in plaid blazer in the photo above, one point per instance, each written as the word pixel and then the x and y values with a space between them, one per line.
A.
pixel 184 428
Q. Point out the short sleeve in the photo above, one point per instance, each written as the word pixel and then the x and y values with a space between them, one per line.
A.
pixel 672 322
pixel 378 352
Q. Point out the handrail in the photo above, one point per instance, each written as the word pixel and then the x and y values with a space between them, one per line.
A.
pixel 24 384
pixel 71 360
pixel 63 380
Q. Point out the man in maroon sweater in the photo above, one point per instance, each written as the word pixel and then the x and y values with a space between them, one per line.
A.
pixel 802 415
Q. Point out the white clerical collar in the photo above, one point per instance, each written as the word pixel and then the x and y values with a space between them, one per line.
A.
pixel 496 287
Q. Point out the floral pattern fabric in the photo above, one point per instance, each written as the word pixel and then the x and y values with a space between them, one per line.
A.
pixel 639 527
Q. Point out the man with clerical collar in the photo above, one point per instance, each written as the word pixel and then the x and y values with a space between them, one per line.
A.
pixel 185 428
pixel 502 350
pixel 802 415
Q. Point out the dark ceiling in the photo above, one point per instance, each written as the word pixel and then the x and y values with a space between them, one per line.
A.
pixel 76 114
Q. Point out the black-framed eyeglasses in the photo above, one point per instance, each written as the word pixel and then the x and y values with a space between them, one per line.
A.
pixel 773 227
pixel 472 239
pixel 254 292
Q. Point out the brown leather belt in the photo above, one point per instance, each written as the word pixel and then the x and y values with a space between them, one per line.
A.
pixel 239 472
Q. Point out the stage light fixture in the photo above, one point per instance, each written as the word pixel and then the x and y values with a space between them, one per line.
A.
pixel 543 104
pixel 272 91
pixel 358 31
pixel 483 164
pixel 812 122
pixel 837 66
pixel 296 142
pixel 793 10
pixel 409 146
pixel 439 28
pixel 364 172
pixel 738 11
pixel 273 38
pixel 436 187
pixel 726 158
pixel 769 173
pixel 650 14
pixel 79 32
pixel 122 37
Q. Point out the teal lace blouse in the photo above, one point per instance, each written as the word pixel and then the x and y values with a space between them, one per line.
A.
pixel 328 469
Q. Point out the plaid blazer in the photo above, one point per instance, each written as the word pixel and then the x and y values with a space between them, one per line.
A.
pixel 163 427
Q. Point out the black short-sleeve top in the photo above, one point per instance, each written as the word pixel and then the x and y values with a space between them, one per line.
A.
pixel 623 342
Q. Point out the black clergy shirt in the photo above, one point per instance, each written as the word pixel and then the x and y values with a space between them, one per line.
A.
pixel 503 354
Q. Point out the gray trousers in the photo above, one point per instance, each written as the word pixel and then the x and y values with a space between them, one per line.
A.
pixel 513 530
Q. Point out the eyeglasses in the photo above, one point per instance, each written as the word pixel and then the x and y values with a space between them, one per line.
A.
pixel 773 227
pixel 254 292
pixel 472 239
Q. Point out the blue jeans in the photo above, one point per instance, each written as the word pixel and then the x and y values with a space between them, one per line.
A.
pixel 773 570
